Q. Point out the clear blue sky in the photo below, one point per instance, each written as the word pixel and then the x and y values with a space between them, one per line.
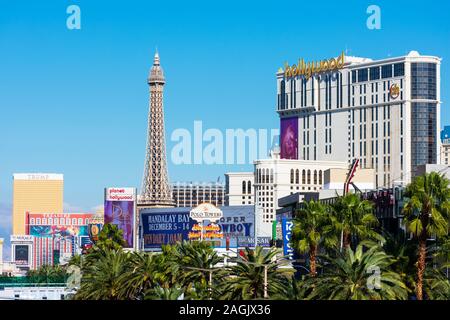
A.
pixel 75 101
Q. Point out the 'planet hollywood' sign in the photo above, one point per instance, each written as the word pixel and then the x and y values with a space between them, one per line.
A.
pixel 120 194
pixel 310 68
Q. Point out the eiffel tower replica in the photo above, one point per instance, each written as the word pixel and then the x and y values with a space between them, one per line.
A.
pixel 155 190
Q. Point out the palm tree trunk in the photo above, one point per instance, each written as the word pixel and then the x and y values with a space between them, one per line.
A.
pixel 312 260
pixel 346 238
pixel 421 267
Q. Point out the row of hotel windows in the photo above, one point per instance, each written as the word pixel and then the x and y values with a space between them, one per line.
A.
pixel 264 176
pixel 361 75
pixel 246 187
pixel 60 221
pixel 306 176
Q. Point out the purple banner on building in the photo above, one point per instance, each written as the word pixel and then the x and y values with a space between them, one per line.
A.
pixel 289 138
pixel 121 213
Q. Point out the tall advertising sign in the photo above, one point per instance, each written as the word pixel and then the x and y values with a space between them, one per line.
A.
pixel 120 206
pixel 286 226
pixel 289 138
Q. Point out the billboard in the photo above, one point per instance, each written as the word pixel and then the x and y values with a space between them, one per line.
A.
pixel 289 138
pixel 58 231
pixel 168 226
pixel 161 228
pixel 120 205
pixel 286 226
pixel 21 254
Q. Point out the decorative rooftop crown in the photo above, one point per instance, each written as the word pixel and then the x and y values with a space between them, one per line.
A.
pixel 156 72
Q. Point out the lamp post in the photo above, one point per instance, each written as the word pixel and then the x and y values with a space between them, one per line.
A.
pixel 265 265
pixel 210 271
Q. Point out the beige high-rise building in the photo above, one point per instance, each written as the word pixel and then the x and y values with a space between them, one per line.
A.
pixel 35 192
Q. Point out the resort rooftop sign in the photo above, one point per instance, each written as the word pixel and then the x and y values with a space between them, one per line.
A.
pixel 310 68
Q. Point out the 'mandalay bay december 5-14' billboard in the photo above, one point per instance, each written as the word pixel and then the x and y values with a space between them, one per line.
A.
pixel 120 205
pixel 160 226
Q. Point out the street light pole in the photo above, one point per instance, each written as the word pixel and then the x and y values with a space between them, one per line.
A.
pixel 210 284
pixel 265 282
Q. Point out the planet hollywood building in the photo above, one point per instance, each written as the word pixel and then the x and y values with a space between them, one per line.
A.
pixel 386 113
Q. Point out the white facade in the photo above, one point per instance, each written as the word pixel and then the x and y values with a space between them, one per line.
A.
pixel 445 152
pixel 192 194
pixel 239 188
pixel 22 251
pixel 384 112
pixel 276 178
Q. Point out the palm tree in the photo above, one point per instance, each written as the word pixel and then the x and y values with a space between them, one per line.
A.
pixel 426 214
pixel 110 237
pixel 353 216
pixel 159 293
pixel 357 275
pixel 246 278
pixel 138 276
pixel 167 273
pixel 312 228
pixel 197 261
pixel 398 246
pixel 100 280
pixel 436 285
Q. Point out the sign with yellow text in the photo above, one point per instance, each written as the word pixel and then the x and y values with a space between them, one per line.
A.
pixel 310 68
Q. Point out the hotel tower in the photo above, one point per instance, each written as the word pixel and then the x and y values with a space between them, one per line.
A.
pixel 386 113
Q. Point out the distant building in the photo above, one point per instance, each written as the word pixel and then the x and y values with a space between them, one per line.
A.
pixel 239 188
pixel 191 194
pixel 445 151
pixel 276 178
pixel 439 168
pixel 35 192
pixel 384 112
pixel 445 133
pixel 57 236
pixel 22 252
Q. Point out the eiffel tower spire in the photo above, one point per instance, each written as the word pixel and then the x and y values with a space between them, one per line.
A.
pixel 155 191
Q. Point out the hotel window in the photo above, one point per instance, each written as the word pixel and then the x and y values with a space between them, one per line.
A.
pixel 32 221
pixel 320 176
pixel 282 95
pixel 249 185
pixel 315 177
pixel 292 176
pixel 399 69
pixel 38 220
pixel 374 73
pixel 68 221
pixel 309 177
pixel 386 71
pixel 297 173
pixel 74 221
pixel 423 81
pixel 44 221
pixel 244 187
pixel 50 221
pixel 353 76
pixel 362 75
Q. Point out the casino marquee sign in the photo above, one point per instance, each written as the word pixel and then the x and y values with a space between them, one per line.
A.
pixel 310 68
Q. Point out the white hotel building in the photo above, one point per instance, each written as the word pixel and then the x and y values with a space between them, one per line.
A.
pixel 385 113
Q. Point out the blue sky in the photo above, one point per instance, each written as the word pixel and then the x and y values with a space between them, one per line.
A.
pixel 76 101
